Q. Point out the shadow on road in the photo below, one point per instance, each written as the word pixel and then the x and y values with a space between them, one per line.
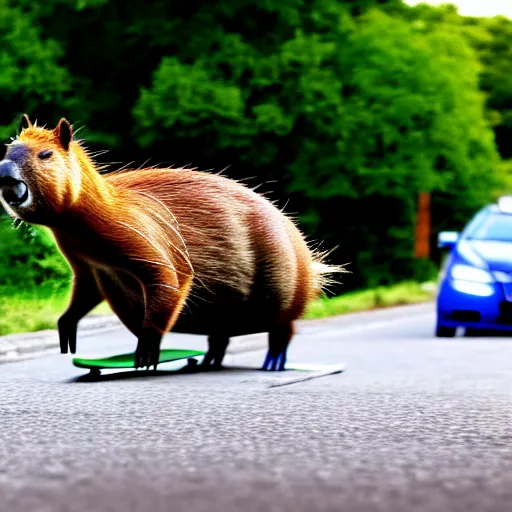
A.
pixel 482 333
pixel 144 374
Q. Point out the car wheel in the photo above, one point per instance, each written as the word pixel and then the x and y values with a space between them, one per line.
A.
pixel 445 332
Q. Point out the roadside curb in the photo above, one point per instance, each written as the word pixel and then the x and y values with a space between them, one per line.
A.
pixel 14 347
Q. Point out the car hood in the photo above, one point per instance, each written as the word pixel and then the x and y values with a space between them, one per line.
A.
pixel 498 255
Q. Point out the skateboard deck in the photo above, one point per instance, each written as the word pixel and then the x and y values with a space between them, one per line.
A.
pixel 128 360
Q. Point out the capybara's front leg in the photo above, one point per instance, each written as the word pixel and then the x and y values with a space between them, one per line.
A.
pixel 148 348
pixel 164 301
pixel 85 296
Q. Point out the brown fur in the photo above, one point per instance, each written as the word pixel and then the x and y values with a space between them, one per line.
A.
pixel 168 248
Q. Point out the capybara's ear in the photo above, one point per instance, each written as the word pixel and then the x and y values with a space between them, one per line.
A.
pixel 25 122
pixel 64 133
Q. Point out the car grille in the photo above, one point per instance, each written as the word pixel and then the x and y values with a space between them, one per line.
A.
pixel 465 315
pixel 505 316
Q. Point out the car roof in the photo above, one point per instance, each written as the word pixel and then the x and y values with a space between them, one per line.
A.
pixel 494 208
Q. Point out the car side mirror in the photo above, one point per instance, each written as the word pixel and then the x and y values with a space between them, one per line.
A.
pixel 447 239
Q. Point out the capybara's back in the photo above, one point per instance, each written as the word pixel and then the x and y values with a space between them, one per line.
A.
pixel 253 270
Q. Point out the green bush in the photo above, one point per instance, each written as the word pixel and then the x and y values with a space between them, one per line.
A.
pixel 29 257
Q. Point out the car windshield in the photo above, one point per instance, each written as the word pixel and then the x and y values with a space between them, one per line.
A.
pixel 494 227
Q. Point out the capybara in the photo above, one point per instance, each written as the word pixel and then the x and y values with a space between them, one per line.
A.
pixel 176 249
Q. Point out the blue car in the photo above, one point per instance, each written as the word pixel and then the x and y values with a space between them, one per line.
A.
pixel 476 280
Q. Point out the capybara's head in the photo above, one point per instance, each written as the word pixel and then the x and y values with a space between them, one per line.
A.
pixel 40 174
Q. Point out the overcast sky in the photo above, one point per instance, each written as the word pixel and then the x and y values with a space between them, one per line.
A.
pixel 475 7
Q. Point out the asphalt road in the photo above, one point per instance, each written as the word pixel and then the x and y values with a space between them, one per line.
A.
pixel 413 424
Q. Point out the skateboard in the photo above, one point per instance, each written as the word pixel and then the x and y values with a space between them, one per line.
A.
pixel 128 360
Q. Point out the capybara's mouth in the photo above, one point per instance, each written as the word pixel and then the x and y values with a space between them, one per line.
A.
pixel 14 192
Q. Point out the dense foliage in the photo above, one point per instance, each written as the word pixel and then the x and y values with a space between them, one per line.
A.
pixel 28 257
pixel 344 110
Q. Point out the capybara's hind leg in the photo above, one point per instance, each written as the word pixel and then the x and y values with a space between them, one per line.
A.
pixel 278 339
pixel 217 345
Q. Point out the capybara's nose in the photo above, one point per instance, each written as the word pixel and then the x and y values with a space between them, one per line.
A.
pixel 7 171
pixel 14 191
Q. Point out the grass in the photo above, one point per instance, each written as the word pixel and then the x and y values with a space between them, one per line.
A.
pixel 39 308
pixel 36 308
pixel 384 296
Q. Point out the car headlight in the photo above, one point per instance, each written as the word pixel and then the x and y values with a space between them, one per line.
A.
pixel 502 277
pixel 473 274
pixel 472 288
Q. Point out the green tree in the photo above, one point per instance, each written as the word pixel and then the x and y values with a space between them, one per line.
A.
pixel 489 37
pixel 351 116
pixel 31 78
pixel 351 107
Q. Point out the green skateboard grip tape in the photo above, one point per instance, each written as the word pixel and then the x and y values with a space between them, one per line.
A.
pixel 128 360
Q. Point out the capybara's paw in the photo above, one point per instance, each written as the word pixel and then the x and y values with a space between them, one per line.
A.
pixel 147 353
pixel 67 327
pixel 210 363
pixel 217 346
pixel 274 362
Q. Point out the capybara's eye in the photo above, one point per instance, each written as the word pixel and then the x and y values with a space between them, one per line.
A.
pixel 44 155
